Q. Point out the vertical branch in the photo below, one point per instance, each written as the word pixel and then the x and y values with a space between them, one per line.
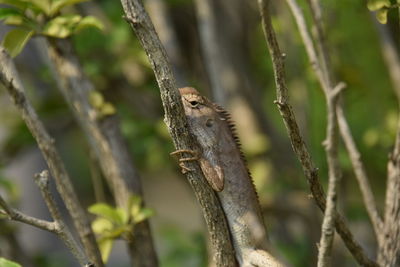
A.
pixel 105 139
pixel 296 139
pixel 42 181
pixel 325 75
pixel 177 126
pixel 389 247
pixel 9 77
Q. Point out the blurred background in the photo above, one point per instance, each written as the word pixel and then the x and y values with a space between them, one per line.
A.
pixel 217 47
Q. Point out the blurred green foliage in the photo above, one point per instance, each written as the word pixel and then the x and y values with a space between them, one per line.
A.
pixel 116 63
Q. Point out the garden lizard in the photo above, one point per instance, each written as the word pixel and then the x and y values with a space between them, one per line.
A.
pixel 224 167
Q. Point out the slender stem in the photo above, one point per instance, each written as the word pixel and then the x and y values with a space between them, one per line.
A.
pixel 296 139
pixel 42 181
pixel 324 74
pixel 9 77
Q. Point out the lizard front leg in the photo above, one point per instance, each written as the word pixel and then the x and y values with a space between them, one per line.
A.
pixel 182 161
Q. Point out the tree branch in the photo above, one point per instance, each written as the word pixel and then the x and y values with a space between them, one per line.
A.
pixel 296 139
pixel 105 139
pixel 325 75
pixel 177 126
pixel 62 231
pixel 9 77
pixel 389 247
pixel 57 227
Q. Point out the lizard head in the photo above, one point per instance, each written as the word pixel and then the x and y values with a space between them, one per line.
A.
pixel 205 124
pixel 201 115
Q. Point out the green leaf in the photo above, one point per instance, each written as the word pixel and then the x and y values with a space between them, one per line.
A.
pixel 7 12
pixel 102 225
pixel 15 40
pixel 96 99
pixel 106 211
pixel 143 215
pixel 105 246
pixel 15 3
pixel 7 263
pixel 89 21
pixel 381 15
pixel 134 205
pixel 107 109
pixel 374 5
pixel 61 26
pixel 42 5
pixel 16 20
pixel 56 6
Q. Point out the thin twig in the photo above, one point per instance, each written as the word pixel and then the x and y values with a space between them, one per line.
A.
pixel 325 79
pixel 57 226
pixel 389 245
pixel 177 125
pixel 358 165
pixel 16 215
pixel 106 141
pixel 9 77
pixel 62 231
pixel 296 139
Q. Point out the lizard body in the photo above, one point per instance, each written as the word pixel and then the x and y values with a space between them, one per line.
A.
pixel 224 167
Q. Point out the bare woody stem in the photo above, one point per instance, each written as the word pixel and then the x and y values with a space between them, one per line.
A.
pixel 62 231
pixel 57 226
pixel 9 77
pixel 296 139
pixel 177 126
pixel 106 141
pixel 324 74
pixel 389 245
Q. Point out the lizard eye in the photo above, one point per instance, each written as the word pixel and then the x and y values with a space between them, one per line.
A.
pixel 194 103
pixel 209 123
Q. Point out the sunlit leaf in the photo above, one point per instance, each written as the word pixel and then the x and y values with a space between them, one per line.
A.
pixel 7 263
pixel 143 215
pixel 123 215
pixel 374 5
pixel 89 21
pixel 56 6
pixel 134 205
pixel 106 211
pixel 15 40
pixel 100 225
pixel 42 5
pixel 96 99
pixel 105 246
pixel 107 109
pixel 61 26
pixel 381 15
pixel 16 20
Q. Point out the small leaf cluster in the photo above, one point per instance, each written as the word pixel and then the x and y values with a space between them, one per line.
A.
pixel 40 17
pixel 102 107
pixel 113 223
pixel 382 8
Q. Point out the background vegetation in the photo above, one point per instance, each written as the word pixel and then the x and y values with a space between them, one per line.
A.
pixel 116 64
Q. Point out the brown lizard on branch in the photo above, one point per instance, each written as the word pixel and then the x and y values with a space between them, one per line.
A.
pixel 224 167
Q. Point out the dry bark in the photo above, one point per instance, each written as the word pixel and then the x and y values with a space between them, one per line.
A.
pixel 176 122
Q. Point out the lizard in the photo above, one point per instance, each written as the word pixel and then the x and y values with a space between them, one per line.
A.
pixel 225 169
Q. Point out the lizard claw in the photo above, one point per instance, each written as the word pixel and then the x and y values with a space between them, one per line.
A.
pixel 182 161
